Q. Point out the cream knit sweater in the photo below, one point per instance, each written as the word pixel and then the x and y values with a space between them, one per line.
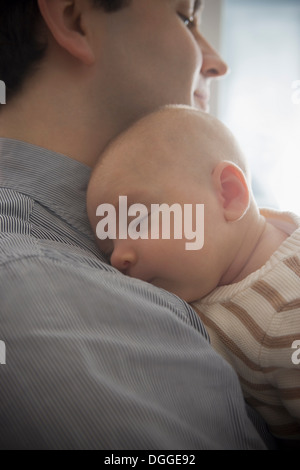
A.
pixel 255 325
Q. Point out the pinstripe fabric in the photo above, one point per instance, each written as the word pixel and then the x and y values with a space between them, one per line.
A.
pixel 254 323
pixel 95 360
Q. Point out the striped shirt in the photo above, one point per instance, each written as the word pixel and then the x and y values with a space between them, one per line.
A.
pixel 255 325
pixel 94 359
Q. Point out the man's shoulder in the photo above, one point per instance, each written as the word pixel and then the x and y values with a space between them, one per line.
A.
pixel 39 274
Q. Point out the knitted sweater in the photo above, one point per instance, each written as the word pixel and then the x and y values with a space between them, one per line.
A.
pixel 255 325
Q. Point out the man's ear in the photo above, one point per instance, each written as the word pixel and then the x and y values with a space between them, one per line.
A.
pixel 65 20
pixel 232 189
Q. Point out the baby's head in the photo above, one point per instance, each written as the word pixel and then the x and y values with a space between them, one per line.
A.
pixel 175 161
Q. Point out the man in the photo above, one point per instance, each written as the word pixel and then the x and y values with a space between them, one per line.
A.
pixel 95 360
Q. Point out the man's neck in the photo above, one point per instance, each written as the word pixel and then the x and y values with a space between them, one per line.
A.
pixel 77 140
pixel 64 119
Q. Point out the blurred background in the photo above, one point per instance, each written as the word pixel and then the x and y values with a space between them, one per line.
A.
pixel 259 100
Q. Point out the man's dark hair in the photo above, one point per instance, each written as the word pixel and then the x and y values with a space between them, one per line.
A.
pixel 20 50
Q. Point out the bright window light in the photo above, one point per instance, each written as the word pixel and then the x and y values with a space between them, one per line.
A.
pixel 260 99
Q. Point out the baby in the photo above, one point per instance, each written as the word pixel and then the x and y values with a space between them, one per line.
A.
pixel 243 279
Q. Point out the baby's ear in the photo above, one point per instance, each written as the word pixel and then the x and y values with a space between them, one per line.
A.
pixel 232 189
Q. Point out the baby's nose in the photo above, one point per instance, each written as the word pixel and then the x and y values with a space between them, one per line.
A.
pixel 123 258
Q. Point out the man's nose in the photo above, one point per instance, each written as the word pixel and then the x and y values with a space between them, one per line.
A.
pixel 212 63
pixel 123 257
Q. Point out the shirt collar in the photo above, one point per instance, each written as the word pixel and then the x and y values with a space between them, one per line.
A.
pixel 54 180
